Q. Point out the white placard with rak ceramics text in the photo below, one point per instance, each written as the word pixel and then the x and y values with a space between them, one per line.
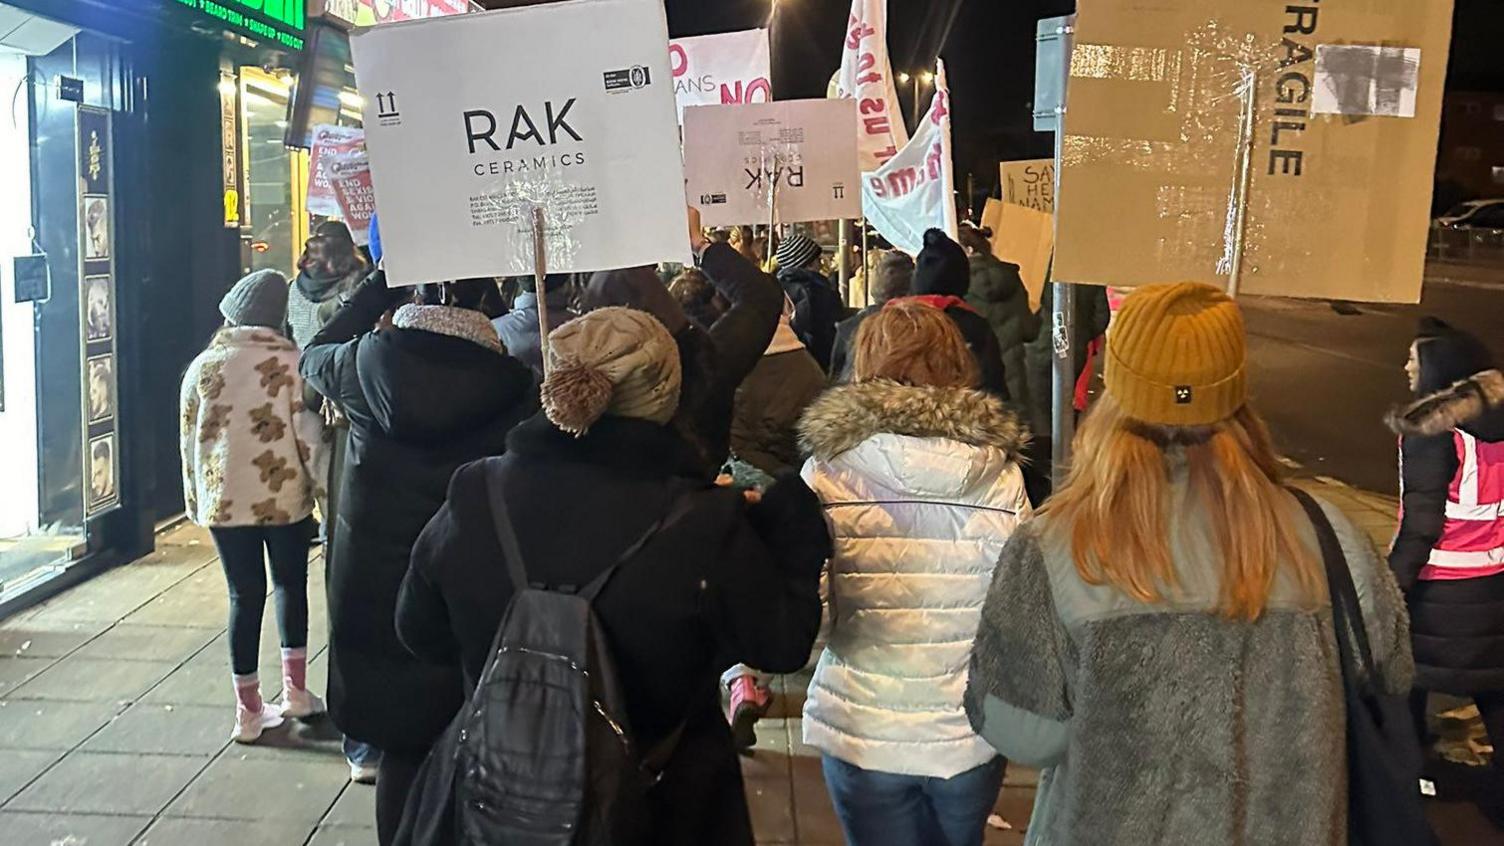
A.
pixel 475 120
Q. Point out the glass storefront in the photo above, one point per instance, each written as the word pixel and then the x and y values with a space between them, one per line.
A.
pixel 277 220
pixel 276 224
pixel 58 382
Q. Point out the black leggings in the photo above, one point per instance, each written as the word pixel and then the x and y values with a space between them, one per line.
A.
pixel 240 551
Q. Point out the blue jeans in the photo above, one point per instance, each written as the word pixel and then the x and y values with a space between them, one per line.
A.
pixel 887 809
pixel 361 753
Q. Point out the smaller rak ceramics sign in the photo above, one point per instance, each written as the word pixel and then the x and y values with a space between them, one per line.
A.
pixel 459 162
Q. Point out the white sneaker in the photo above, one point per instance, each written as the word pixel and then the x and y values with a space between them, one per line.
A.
pixel 301 704
pixel 250 724
pixel 363 773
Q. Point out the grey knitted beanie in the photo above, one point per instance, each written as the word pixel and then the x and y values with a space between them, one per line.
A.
pixel 259 299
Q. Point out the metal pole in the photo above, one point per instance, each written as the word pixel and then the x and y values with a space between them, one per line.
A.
pixel 1063 318
pixel 773 200
pixel 843 260
pixel 916 99
pixel 866 268
pixel 540 270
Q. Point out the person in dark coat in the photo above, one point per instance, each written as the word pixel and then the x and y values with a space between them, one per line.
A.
pixel 1092 315
pixel 892 278
pixel 1448 555
pixel 431 393
pixel 998 294
pixel 942 278
pixel 817 304
pixel 328 271
pixel 720 580
pixel 715 361
pixel 518 328
pixel 770 401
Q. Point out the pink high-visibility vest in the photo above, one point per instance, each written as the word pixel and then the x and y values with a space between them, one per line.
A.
pixel 1472 543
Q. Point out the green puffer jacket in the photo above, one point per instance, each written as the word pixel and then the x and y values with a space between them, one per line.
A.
pixel 998 294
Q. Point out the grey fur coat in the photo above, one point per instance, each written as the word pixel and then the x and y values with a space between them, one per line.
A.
pixel 1169 724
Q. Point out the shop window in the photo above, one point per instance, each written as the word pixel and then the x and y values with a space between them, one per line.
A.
pixel 275 178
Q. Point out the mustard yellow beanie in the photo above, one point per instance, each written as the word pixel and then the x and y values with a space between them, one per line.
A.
pixel 1177 355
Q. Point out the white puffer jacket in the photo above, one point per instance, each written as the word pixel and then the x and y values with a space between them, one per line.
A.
pixel 922 488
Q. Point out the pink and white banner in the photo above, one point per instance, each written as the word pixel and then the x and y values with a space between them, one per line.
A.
pixel 867 77
pixel 721 70
pixel 915 190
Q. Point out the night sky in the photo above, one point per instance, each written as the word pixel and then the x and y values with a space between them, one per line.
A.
pixel 989 55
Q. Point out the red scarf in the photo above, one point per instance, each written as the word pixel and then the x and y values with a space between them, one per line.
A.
pixel 943 302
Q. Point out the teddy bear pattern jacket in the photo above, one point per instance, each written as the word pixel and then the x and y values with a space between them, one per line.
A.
pixel 251 449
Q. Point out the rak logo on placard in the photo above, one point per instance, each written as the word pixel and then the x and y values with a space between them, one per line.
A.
pixel 482 132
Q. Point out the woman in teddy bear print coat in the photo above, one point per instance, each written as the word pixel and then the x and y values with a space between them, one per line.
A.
pixel 249 451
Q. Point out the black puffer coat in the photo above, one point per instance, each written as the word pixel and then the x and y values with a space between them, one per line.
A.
pixel 420 404
pixel 722 583
pixel 1456 626
pixel 998 294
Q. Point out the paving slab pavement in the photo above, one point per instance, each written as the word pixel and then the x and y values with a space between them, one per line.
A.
pixel 115 711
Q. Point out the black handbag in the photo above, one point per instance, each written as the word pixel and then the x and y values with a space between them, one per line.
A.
pixel 1384 805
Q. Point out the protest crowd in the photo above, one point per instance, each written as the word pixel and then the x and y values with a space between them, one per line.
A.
pixel 722 507
pixel 563 566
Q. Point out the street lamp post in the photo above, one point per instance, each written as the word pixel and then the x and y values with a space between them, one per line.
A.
pixel 923 78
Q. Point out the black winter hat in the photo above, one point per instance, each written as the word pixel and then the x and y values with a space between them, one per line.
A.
pixel 1447 355
pixel 942 267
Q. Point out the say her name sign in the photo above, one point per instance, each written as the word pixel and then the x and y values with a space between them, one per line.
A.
pixel 1030 183
pixel 471 120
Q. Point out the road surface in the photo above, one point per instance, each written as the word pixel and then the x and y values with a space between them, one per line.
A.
pixel 1324 380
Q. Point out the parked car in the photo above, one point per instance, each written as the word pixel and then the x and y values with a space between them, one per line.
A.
pixel 1471 231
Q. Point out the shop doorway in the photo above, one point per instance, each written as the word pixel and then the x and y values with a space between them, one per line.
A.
pixel 276 222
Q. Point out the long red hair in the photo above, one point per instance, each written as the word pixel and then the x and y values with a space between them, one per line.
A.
pixel 1115 506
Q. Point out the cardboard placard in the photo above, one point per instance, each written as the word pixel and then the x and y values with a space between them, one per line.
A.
pixel 1026 238
pixel 472 121
pixel 731 153
pixel 1336 206
pixel 1029 183
pixel 717 70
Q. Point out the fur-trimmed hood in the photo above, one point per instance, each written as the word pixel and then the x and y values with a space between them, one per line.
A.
pixel 844 417
pixel 1475 404
pixel 463 323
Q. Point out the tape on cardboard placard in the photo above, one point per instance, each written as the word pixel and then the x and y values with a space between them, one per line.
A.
pixel 1366 80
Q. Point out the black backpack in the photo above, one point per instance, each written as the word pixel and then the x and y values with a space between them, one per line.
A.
pixel 542 754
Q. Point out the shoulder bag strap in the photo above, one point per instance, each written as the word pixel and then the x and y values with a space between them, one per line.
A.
pixel 676 507
pixel 507 534
pixel 1347 613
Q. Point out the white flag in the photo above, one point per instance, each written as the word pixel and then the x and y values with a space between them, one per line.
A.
pixel 867 77
pixel 915 190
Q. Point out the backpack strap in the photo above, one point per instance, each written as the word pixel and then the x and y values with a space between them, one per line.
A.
pixel 1347 614
pixel 507 534
pixel 676 507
